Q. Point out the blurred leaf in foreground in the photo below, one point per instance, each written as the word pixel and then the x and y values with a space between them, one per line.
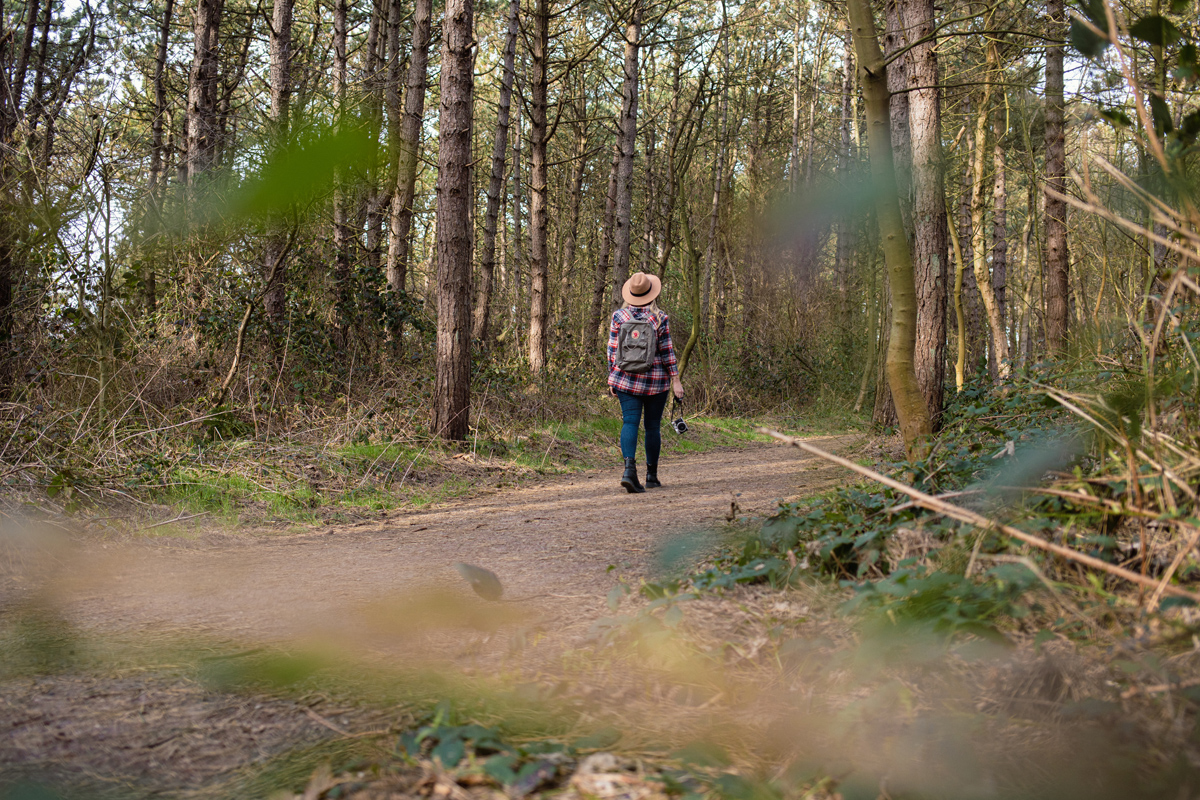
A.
pixel 304 169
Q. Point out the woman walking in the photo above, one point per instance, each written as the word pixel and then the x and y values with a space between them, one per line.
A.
pixel 641 367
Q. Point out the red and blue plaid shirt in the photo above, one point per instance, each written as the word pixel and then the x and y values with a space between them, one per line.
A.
pixel 664 368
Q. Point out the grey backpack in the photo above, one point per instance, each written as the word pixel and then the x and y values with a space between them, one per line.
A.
pixel 637 345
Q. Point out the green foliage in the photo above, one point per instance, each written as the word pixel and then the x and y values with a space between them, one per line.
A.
pixel 1082 37
pixel 948 603
pixel 258 669
pixel 991 444
pixel 303 169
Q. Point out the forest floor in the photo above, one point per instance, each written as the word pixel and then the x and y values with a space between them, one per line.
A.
pixel 371 594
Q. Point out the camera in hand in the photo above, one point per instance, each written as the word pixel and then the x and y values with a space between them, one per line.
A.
pixel 679 425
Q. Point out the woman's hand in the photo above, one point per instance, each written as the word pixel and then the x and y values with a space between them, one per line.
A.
pixel 612 391
pixel 677 387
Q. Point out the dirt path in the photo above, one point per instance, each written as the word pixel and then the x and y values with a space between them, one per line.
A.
pixel 377 590
pixel 388 590
pixel 370 584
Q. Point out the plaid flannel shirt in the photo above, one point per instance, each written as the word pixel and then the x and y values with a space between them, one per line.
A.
pixel 665 367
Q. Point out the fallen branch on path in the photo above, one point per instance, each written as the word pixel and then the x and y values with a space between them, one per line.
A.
pixel 972 518
pixel 180 518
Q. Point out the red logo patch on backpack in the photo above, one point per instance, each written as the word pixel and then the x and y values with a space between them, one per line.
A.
pixel 634 334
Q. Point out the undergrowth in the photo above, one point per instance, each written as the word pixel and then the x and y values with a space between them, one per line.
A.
pixel 315 464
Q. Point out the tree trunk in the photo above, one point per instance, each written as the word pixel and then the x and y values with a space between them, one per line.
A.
pixel 231 80
pixel 157 161
pixel 600 284
pixel 872 331
pixel 391 92
pixel 409 144
pixel 648 168
pixel 998 339
pixel 930 233
pixel 1027 277
pixel 883 414
pixel 1057 259
pixel 274 268
pixel 972 304
pixel 539 221
pixel 39 76
pixel 691 270
pixel 518 245
pixel 915 425
pixel 452 385
pixel 711 264
pixel 342 233
pixel 626 142
pixel 373 59
pixel 897 73
pixel 845 232
pixel 487 259
pixel 960 319
pixel 571 232
pixel 1000 236
pixel 18 80
pixel 202 127
pixel 794 155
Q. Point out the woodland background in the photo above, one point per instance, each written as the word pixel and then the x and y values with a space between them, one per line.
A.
pixel 236 206
pixel 226 218
pixel 336 258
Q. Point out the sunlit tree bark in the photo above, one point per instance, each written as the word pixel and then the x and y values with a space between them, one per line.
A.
pixel 915 425
pixel 203 85
pixel 929 246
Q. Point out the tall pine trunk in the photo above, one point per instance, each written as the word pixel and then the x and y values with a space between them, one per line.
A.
pixel 343 235
pixel 274 266
pixel 600 284
pixel 539 220
pixel 998 339
pixel 158 161
pixel 203 86
pixel 894 41
pixel 1000 234
pixel 972 304
pixel 1057 286
pixel 570 232
pixel 487 258
pixel 408 145
pixel 930 234
pixel 846 224
pixel 452 381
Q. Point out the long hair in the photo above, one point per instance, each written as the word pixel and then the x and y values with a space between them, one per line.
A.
pixel 656 313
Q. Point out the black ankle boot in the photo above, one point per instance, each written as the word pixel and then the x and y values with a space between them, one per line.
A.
pixel 630 479
pixel 652 477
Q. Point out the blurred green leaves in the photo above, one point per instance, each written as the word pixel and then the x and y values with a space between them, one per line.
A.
pixel 304 170
pixel 289 179
pixel 1156 30
pixel 1083 38
pixel 257 669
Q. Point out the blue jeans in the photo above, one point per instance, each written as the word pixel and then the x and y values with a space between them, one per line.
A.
pixel 632 408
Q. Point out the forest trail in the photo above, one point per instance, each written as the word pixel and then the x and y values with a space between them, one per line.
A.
pixel 367 585
pixel 380 592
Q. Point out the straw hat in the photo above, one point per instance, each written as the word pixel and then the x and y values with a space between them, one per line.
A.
pixel 641 289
